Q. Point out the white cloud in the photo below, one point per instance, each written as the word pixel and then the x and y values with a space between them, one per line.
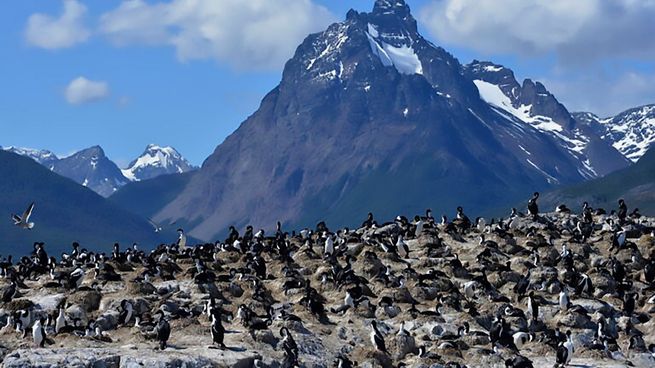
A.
pixel 605 93
pixel 253 34
pixel 67 30
pixel 577 31
pixel 81 90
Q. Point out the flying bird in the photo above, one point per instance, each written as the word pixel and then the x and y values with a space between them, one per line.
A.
pixel 24 221
pixel 155 225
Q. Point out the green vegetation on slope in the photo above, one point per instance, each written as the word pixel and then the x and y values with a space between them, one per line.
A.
pixel 636 184
pixel 64 212
pixel 148 197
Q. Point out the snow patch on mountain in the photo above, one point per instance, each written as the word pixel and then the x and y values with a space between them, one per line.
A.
pixel 44 157
pixel 631 132
pixel 493 95
pixel 403 58
pixel 156 160
pixel 505 98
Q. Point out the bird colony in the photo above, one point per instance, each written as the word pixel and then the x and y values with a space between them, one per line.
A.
pixel 573 287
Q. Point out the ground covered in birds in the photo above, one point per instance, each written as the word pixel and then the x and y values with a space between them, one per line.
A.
pixel 442 294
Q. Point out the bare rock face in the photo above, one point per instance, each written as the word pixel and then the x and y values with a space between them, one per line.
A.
pixel 89 300
pixel 140 288
pixel 108 320
pixel 77 312
pixel 266 337
pixel 573 320
pixel 604 284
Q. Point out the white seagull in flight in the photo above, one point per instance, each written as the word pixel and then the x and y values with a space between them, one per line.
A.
pixel 23 221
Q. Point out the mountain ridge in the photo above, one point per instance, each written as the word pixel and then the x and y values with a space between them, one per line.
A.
pixel 361 108
pixel 631 132
pixel 90 167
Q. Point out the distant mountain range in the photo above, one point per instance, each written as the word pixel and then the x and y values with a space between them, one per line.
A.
pixel 91 168
pixel 369 115
pixel 64 212
pixel 631 132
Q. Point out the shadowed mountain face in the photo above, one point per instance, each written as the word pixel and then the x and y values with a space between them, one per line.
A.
pixel 64 212
pixel 369 116
pixel 91 168
pixel 147 197
pixel 532 104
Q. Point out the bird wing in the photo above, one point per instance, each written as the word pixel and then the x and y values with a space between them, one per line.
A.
pixel 154 224
pixel 28 212
pixel 16 219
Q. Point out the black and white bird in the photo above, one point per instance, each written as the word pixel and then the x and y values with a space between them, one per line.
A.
pixel 328 248
pixel 290 347
pixel 533 208
pixel 181 238
pixel 127 311
pixel 568 344
pixel 521 338
pixel 401 246
pixel 533 307
pixel 75 278
pixel 622 213
pixel 519 361
pixel 564 300
pixel 163 330
pixel 24 220
pixel 60 322
pixel 376 338
pixel 343 362
pixel 562 358
pixel 9 292
pixel 217 330
pixel 39 335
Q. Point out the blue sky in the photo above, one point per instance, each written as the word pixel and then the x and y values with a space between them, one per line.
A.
pixel 186 73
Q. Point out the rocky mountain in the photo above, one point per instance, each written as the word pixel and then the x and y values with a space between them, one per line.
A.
pixel 91 168
pixel 369 115
pixel 155 161
pixel 44 157
pixel 531 103
pixel 631 132
pixel 64 212
pixel 635 184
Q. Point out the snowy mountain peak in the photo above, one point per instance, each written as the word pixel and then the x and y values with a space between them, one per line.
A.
pixel 44 157
pixel 532 104
pixel 156 160
pixel 479 67
pixel 390 7
pixel 631 132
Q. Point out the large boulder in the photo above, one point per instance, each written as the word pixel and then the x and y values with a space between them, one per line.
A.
pixel 89 300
